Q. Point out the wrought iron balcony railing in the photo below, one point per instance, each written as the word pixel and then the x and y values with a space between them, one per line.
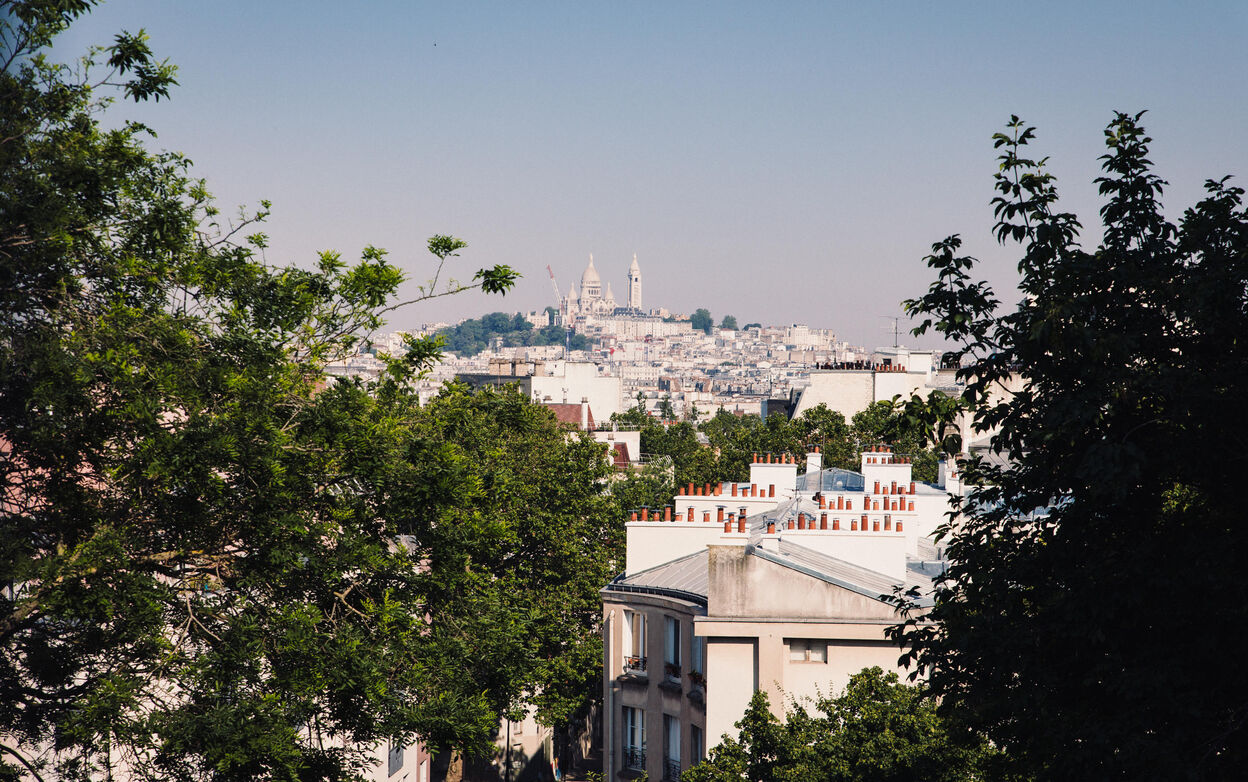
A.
pixel 634 663
pixel 635 757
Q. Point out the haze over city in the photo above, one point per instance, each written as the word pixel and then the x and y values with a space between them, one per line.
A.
pixel 781 164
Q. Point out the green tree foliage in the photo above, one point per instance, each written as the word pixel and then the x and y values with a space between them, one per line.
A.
pixel 651 486
pixel 701 320
pixel 737 438
pixel 729 322
pixel 887 422
pixel 665 408
pixel 1091 640
pixel 878 730
pixel 733 440
pixel 517 558
pixel 220 565
pixel 475 335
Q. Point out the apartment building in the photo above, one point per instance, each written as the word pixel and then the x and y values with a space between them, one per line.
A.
pixel 779 583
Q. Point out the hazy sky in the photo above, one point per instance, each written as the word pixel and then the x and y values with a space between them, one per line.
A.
pixel 781 162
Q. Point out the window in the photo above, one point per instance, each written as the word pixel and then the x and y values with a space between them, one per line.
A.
pixel 634 738
pixel 697 662
pixel 671 641
pixel 696 745
pixel 808 650
pixel 671 748
pixel 671 648
pixel 634 641
pixel 394 759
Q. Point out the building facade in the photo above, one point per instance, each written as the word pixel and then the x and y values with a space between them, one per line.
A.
pixel 778 584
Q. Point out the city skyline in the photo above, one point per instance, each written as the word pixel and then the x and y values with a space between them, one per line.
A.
pixel 781 165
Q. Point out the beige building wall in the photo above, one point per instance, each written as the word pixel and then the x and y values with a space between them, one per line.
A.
pixel 653 692
pixel 757 609
pixel 732 678
pixel 846 391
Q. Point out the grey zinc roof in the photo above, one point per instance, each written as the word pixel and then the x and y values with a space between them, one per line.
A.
pixel 838 571
pixel 845 574
pixel 684 578
pixel 833 479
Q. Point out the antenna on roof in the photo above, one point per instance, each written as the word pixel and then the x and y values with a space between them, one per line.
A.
pixel 896 321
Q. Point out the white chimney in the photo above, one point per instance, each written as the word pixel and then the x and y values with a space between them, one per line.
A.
pixel 584 414
pixel 814 462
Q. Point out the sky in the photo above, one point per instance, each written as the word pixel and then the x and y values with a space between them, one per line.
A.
pixel 779 162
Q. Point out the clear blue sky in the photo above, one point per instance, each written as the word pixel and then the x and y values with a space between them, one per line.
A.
pixel 786 162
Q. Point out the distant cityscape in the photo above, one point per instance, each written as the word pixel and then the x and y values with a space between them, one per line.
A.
pixel 657 355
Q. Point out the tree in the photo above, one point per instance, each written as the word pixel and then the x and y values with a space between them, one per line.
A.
pixel 1088 638
pixel 219 563
pixel 886 422
pixel 701 320
pixel 475 335
pixel 729 322
pixel 666 411
pixel 877 730
pixel 515 562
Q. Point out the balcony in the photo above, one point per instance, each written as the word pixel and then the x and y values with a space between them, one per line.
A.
pixel 634 670
pixel 635 758
pixel 671 678
pixel 697 689
pixel 671 770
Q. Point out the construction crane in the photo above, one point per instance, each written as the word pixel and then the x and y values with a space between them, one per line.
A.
pixel 567 329
pixel 554 285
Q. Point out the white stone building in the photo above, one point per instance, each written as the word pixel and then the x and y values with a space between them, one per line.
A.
pixel 779 584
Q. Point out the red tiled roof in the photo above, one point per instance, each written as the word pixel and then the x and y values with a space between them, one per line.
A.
pixel 570 413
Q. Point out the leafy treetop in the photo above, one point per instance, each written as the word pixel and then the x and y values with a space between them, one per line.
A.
pixel 1095 583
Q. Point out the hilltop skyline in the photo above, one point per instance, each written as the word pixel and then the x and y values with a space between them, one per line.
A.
pixel 781 165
